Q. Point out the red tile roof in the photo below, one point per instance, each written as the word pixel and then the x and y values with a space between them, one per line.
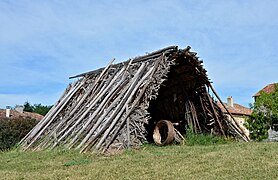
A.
pixel 236 110
pixel 15 114
pixel 268 89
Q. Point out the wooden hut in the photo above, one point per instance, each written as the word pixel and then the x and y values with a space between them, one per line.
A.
pixel 118 106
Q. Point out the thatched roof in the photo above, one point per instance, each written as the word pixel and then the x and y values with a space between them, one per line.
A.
pixel 119 105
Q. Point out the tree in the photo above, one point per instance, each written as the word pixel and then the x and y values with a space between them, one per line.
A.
pixel 36 108
pixel 28 107
pixel 264 116
pixel 40 109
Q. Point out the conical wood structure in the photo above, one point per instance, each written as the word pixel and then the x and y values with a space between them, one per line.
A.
pixel 118 106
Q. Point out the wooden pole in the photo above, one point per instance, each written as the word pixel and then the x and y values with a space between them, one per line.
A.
pixel 244 137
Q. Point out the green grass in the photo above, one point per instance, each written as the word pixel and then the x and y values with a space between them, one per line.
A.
pixel 203 139
pixel 233 160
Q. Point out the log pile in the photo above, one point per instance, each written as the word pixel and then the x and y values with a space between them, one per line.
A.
pixel 118 106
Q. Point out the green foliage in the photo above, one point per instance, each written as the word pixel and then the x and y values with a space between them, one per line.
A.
pixel 28 107
pixel 13 130
pixel 40 109
pixel 202 139
pixel 264 116
pixel 77 162
pixel 36 108
pixel 234 160
pixel 258 126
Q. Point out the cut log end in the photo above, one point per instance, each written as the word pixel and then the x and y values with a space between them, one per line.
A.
pixel 164 133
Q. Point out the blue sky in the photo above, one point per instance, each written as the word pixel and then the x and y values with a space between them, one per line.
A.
pixel 42 43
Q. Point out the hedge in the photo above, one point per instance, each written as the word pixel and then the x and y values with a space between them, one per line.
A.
pixel 13 130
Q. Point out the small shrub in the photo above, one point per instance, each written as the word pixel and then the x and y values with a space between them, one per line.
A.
pixel 258 126
pixel 13 130
pixel 202 139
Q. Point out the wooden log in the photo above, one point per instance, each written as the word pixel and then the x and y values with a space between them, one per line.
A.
pixel 117 111
pixel 128 96
pixel 240 131
pixel 107 111
pixel 107 99
pixel 128 130
pixel 70 113
pixel 215 115
pixel 203 108
pixel 91 105
pixel 101 106
pixel 136 101
pixel 145 76
pixel 139 59
pixel 47 136
pixel 51 111
pixel 61 106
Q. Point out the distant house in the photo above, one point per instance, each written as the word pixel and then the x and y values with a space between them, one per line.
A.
pixel 239 112
pixel 267 89
pixel 273 130
pixel 18 113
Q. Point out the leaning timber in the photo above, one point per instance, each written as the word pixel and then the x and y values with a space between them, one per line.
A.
pixel 120 105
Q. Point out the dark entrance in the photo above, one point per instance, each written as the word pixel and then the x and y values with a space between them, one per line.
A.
pixel 179 98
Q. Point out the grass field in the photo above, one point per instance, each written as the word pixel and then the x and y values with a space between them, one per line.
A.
pixel 233 160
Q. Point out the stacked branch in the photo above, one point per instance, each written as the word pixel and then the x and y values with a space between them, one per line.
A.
pixel 109 108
